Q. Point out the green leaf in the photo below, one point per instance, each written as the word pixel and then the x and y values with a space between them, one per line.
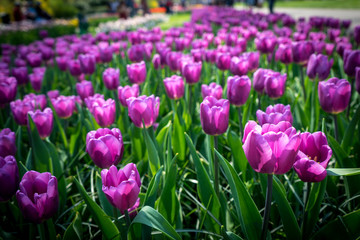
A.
pixel 347 141
pixel 288 218
pixel 151 193
pixel 178 138
pixel 205 189
pixel 312 208
pixel 154 160
pixel 74 231
pixel 150 217
pixel 59 126
pixel 239 158
pixel 108 228
pixel 343 171
pixel 104 202
pixel 343 227
pixel 246 209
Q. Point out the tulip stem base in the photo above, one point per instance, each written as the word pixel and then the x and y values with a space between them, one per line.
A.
pixel 216 167
pixel 266 218
pixel 336 128
pixel 41 231
pixel 127 218
pixel 302 81
pixel 240 122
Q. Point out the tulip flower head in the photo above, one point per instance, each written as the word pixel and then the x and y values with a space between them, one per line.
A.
pixel 122 187
pixel 9 177
pixel 111 78
pixel 313 157
pixel 8 88
pixel 87 63
pixel 192 71
pixel 143 109
pixel 84 89
pixel 127 92
pixel 238 89
pixel 214 115
pixel 105 147
pixel 319 66
pixel 43 120
pixel 275 114
pixel 174 87
pixel 7 143
pixel 212 89
pixel 38 197
pixel 64 106
pixel 136 72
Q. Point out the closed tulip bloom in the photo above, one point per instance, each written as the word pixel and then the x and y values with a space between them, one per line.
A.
pixel 259 79
pixel 284 54
pixel 214 115
pixel 302 51
pixel 319 66
pixel 20 62
pixel 329 48
pixel 34 59
pixel 357 34
pixel 156 61
pixel 106 54
pixel 8 88
pixel 62 62
pixel 275 85
pixel 84 89
pixel 351 61
pixel 266 43
pixel 143 109
pixel 253 58
pixel 197 54
pixel 126 92
pixel 38 100
pixel 7 143
pixel 333 33
pixel 53 94
pixel 136 72
pixel 36 81
pixel 172 60
pixel 334 95
pixel 174 87
pixel 341 47
pixel 135 53
pixel 238 89
pixel 46 53
pixel 87 63
pixel 212 89
pixel 223 61
pixel 104 112
pixel 74 67
pixel 64 106
pixel 239 65
pixel 111 78
pixel 38 196
pixel 20 109
pixel 272 151
pixel 122 187
pixel 275 114
pixel 43 120
pixel 105 146
pixel 210 55
pixel 357 79
pixel 313 157
pixel 192 71
pixel 21 75
pixel 9 177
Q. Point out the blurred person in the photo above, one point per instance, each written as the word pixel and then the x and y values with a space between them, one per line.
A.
pixel 41 14
pixel 145 7
pixel 271 5
pixel 123 10
pixel 17 13
pixel 130 6
pixel 168 6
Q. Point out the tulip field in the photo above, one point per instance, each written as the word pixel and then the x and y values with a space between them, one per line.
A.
pixel 236 125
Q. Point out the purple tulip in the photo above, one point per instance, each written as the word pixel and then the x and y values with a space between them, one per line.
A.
pixel 127 92
pixel 192 71
pixel 238 89
pixel 9 177
pixel 136 72
pixel 210 55
pixel 174 87
pixel 284 54
pixel 38 197
pixel 334 95
pixel 74 67
pixel 313 157
pixel 357 79
pixel 302 51
pixel 197 54
pixel 239 65
pixel 34 59
pixel 275 114
pixel 122 187
pixel 104 111
pixel 172 60
pixel 20 109
pixel 156 61
pixel 8 88
pixel 106 54
pixel 53 94
pixel 136 53
pixel 43 120
pixel 275 84
pixel 266 43
pixel 212 89
pixel 62 62
pixel 39 101
pixel 143 109
pixel 87 63
pixel 84 89
pixel 357 34
pixel 46 53
pixel 214 115
pixel 341 47
pixel 223 61
pixel 351 61
pixel 319 66
pixel 259 79
pixel 333 33
pixel 21 75
pixel 111 78
pixel 64 106
pixel 7 143
pixel 105 146
pixel 271 149
pixel 329 48
pixel 36 81
pixel 20 62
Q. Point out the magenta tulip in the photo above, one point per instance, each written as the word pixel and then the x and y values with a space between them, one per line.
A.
pixel 319 66
pixel 103 111
pixel 239 65
pixel 21 75
pixel 212 89
pixel 111 78
pixel 64 106
pixel 127 92
pixel 174 87
pixel 39 100
pixel 238 90
pixel 9 177
pixel 87 63
pixel 7 143
pixel 275 114
pixel 214 115
pixel 8 88
pixel 136 72
pixel 223 61
pixel 74 67
pixel 143 109
pixel 192 71
pixel 84 89
pixel 43 120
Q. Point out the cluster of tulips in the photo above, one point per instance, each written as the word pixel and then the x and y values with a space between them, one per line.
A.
pixel 88 87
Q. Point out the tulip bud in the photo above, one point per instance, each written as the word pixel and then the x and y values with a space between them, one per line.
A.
pixel 284 54
pixel 53 94
pixel 212 89
pixel 223 61
pixel 172 60
pixel 43 121
pixel 62 62
pixel 192 72
pixel 111 78
pixel 275 84
pixel 74 67
pixel 334 95
pixel 38 197
pixel 127 92
pixel 136 72
pixel 64 106
pixel 9 177
pixel 87 63
pixel 104 111
pixel 105 147
pixel 39 101
pixel 214 115
pixel 122 187
pixel 174 87
pixel 106 54
pixel 319 66
pixel 302 51
pixel 266 43
pixel 36 81
pixel 357 34
pixel 275 114
pixel 156 61
pixel 238 89
pixel 20 109
pixel 21 75
pixel 8 88
pixel 84 89
pixel 357 79
pixel 7 143
pixel 351 61
pixel 239 65
pixel 34 59
pixel 143 109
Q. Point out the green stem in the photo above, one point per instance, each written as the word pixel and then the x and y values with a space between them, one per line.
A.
pixel 115 212
pixel 216 167
pixel 240 122
pixel 314 105
pixel 259 100
pixel 352 88
pixel 302 81
pixel 267 207
pixel 127 218
pixel 41 230
pixel 190 99
pixel 336 128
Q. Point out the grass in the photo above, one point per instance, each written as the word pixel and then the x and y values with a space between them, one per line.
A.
pixel 335 4
pixel 175 20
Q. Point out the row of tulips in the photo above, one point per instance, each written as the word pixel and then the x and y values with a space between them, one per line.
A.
pixel 121 129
